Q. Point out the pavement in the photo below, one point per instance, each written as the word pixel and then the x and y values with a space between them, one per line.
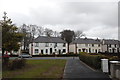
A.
pixel 76 69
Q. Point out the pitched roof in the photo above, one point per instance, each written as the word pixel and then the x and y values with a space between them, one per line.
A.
pixel 86 41
pixel 44 39
pixel 111 41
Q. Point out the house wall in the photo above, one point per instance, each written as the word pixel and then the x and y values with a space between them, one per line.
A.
pixel 72 48
pixel 104 48
pixel 42 47
pixel 110 49
pixel 88 48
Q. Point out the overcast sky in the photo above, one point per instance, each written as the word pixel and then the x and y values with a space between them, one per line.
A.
pixel 96 18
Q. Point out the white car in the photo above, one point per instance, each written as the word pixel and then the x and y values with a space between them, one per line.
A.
pixel 23 55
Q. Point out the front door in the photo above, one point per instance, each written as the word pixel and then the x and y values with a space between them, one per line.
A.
pixel 50 50
pixel 59 51
pixel 41 51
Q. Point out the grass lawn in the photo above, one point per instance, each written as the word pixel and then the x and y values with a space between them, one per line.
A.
pixel 38 69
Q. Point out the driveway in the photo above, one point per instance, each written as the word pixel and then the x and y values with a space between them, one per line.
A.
pixel 77 69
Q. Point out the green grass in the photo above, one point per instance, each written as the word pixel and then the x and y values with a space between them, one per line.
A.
pixel 38 69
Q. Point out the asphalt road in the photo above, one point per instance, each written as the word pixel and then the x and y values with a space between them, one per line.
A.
pixel 48 58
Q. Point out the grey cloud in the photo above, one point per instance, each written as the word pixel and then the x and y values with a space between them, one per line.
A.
pixel 85 16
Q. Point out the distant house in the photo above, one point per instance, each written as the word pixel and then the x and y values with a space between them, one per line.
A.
pixel 47 45
pixel 85 45
pixel 111 46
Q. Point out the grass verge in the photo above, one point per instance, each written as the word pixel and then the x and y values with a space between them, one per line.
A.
pixel 38 69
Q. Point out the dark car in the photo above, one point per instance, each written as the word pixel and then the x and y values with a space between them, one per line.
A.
pixel 23 55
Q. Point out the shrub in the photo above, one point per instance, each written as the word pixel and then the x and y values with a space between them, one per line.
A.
pixel 5 61
pixel 92 60
pixel 114 58
pixel 17 64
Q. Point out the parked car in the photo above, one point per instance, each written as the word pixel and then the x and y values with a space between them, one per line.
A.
pixel 24 55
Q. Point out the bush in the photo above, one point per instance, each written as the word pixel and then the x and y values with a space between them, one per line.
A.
pixel 17 64
pixel 92 60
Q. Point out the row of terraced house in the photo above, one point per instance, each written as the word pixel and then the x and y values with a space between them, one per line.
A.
pixel 55 45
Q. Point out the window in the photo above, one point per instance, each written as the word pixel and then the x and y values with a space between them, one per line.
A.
pixel 79 50
pixel 86 50
pixel 110 50
pixel 55 50
pixel 99 50
pixel 36 44
pixel 63 44
pixel 98 45
pixel 46 50
pixel 47 45
pixel 64 50
pixel 55 45
pixel 92 45
pixel 36 51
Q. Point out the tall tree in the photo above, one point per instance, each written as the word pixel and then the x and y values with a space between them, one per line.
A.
pixel 48 32
pixel 26 39
pixel 68 36
pixel 10 36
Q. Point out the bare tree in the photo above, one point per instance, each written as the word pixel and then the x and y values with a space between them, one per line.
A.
pixel 56 34
pixel 48 32
pixel 33 30
pixel 79 34
pixel 40 30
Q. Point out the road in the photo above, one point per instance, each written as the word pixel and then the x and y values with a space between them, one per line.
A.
pixel 67 58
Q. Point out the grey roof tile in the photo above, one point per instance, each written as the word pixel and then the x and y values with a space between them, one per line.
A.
pixel 86 41
pixel 112 41
pixel 44 39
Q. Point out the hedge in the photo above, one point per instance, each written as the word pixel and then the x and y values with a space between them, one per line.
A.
pixel 92 60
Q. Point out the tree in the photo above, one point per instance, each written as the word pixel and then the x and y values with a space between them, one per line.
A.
pixel 79 34
pixel 48 32
pixel 68 36
pixel 40 30
pixel 10 36
pixel 26 39
pixel 33 30
pixel 56 34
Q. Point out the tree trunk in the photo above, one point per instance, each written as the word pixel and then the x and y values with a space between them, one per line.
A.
pixel 75 48
pixel 68 48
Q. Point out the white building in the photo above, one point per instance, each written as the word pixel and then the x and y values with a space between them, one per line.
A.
pixel 47 45
pixel 86 45
pixel 111 46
